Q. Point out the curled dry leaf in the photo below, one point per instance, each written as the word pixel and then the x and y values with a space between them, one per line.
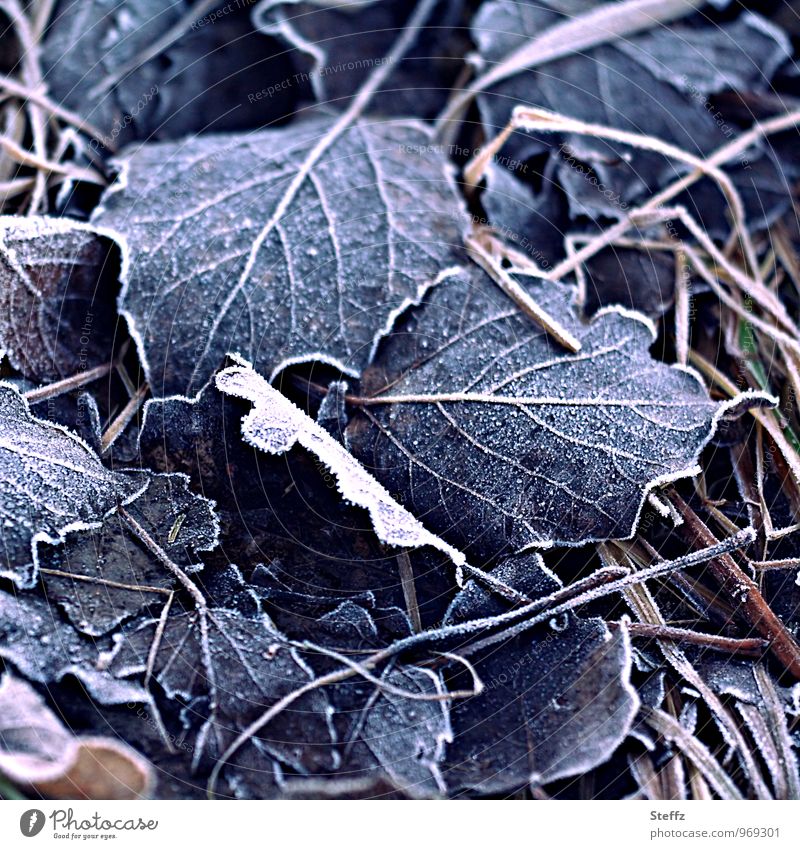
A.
pixel 498 437
pixel 38 751
pixel 275 425
pixel 302 264
pixel 34 745
pixel 103 768
pixel 51 483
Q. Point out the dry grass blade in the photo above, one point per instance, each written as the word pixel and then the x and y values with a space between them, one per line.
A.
pixel 480 248
pixel 646 610
pixel 670 729
pixel 742 589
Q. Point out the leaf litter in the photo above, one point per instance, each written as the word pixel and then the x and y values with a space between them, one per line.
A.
pixel 351 352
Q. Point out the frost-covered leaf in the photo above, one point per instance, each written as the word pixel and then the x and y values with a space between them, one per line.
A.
pixel 114 572
pixel 405 737
pixel 495 436
pixel 285 511
pixel 660 82
pixel 250 667
pixel 402 736
pixel 285 271
pixel 50 483
pixel 197 84
pixel 337 46
pixel 38 751
pixel 556 702
pixel 45 649
pixel 90 39
pixel 57 280
pixel 275 425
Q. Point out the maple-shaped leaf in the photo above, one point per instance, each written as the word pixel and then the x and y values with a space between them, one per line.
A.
pixel 557 701
pixel 275 425
pixel 234 243
pixel 106 575
pixel 51 482
pixel 243 670
pixel 495 436
pixel 57 311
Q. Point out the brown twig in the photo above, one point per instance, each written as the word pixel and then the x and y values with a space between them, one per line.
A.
pixel 741 589
pixel 748 647
pixel 123 419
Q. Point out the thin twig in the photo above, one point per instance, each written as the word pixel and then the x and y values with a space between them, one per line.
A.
pixel 748 647
pixel 409 590
pixel 105 582
pixel 742 589
pixel 67 384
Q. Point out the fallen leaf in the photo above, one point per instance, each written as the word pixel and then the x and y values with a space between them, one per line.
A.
pixel 282 510
pixel 497 437
pixel 38 751
pixel 659 82
pixel 556 702
pixel 316 270
pixel 107 575
pixel 248 667
pixel 57 311
pixel 51 483
pixel 103 769
pixel 275 425
pixel 43 648
pixel 34 745
pixel 402 734
pixel 88 40
pixel 336 47
pixel 91 59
